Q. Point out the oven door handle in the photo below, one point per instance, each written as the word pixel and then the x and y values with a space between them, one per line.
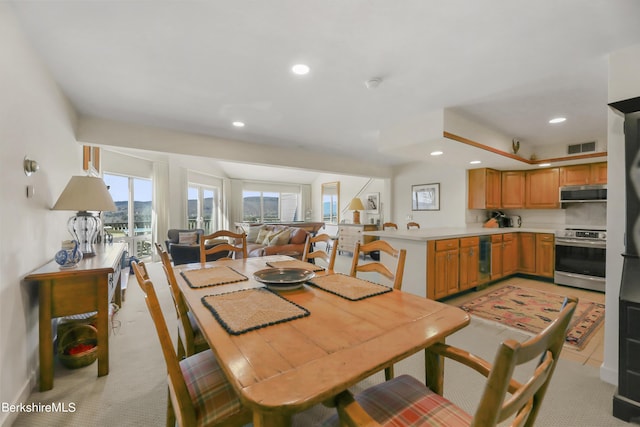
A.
pixel 581 243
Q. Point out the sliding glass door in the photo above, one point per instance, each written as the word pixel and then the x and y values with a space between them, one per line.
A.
pixel 203 207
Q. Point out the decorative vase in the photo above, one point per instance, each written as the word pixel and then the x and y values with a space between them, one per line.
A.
pixel 70 255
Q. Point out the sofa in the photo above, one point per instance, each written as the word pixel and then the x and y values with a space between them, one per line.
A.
pixel 273 239
pixel 184 246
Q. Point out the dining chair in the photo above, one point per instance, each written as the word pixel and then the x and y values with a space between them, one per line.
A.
pixel 237 245
pixel 190 338
pixel 199 392
pixel 408 401
pixel 311 253
pixel 379 267
pixel 412 224
pixel 389 225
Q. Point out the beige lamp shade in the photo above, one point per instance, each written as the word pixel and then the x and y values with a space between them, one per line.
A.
pixel 356 205
pixel 85 193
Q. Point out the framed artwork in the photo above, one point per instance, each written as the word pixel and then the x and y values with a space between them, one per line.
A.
pixel 425 197
pixel 372 203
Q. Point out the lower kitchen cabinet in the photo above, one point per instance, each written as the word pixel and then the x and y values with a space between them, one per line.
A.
pixel 527 253
pixel 545 254
pixel 442 271
pixel 469 262
pixel 496 256
pixel 509 254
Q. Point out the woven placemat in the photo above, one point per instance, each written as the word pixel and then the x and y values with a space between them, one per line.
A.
pixel 348 287
pixel 249 309
pixel 295 263
pixel 212 276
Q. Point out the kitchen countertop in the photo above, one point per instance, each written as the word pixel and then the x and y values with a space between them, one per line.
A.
pixel 426 234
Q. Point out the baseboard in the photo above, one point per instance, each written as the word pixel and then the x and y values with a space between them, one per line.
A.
pixel 8 418
pixel 609 375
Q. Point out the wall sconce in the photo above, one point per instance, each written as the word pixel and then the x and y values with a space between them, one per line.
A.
pixel 30 166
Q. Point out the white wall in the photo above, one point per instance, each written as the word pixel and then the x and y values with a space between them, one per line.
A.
pixel 624 69
pixel 453 195
pixel 35 120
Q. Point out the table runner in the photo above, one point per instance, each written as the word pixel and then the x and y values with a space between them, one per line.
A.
pixel 249 309
pixel 295 263
pixel 212 276
pixel 348 287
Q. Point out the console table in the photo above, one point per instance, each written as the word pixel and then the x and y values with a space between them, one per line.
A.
pixel 90 286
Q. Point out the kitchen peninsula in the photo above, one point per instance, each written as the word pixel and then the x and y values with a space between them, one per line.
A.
pixel 445 261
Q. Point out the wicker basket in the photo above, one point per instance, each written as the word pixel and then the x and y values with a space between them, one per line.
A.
pixel 80 334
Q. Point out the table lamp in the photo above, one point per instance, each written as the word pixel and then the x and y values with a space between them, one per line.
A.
pixel 356 206
pixel 88 195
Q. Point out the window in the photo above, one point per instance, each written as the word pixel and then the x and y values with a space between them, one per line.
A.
pixel 269 206
pixel 131 222
pixel 202 207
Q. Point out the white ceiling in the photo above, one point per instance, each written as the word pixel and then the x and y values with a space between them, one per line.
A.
pixel 198 65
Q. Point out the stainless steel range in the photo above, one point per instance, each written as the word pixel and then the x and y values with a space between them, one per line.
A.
pixel 581 257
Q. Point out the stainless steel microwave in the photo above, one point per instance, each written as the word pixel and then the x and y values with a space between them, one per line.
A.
pixel 583 193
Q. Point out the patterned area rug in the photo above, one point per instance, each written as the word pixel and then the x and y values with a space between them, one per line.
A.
pixel 532 310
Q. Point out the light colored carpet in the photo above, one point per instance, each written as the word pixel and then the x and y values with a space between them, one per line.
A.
pixel 134 393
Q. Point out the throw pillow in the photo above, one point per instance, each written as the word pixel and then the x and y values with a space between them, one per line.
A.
pixel 187 238
pixel 281 238
pixel 252 234
pixel 262 235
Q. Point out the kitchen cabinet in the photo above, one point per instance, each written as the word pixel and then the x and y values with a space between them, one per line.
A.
pixel 484 186
pixel 350 234
pixel 496 256
pixel 527 253
pixel 445 269
pixel 512 189
pixel 509 254
pixel 541 189
pixel 545 254
pixel 469 262
pixel 590 173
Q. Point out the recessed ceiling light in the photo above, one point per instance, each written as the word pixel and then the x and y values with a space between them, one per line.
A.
pixel 300 69
pixel 544 165
pixel 557 120
pixel 238 124
pixel 436 153
pixel 475 162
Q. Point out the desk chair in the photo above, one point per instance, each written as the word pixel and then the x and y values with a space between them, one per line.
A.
pixel 406 398
pixel 199 392
pixel 411 225
pixel 378 267
pixel 190 338
pixel 310 253
pixel 232 248
pixel 389 225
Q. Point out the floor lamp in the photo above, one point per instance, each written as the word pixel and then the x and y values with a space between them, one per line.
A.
pixel 88 195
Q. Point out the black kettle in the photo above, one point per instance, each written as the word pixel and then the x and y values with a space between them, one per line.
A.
pixel 501 218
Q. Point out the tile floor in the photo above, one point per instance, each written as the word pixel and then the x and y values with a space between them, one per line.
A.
pixel 592 354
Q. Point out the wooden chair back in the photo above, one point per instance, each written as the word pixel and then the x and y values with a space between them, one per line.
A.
pixel 379 267
pixel 389 225
pixel 412 224
pixel 239 244
pixel 178 393
pixel 311 253
pixel 525 398
pixel 186 345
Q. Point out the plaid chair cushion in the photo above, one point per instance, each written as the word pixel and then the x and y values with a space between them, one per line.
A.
pixel 199 341
pixel 405 401
pixel 211 393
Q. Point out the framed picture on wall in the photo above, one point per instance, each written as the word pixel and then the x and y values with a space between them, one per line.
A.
pixel 425 197
pixel 372 203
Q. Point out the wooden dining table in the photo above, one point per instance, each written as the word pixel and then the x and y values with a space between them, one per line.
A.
pixel 285 368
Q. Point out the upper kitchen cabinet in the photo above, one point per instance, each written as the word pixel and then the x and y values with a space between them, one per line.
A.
pixel 591 173
pixel 513 184
pixel 484 188
pixel 541 189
